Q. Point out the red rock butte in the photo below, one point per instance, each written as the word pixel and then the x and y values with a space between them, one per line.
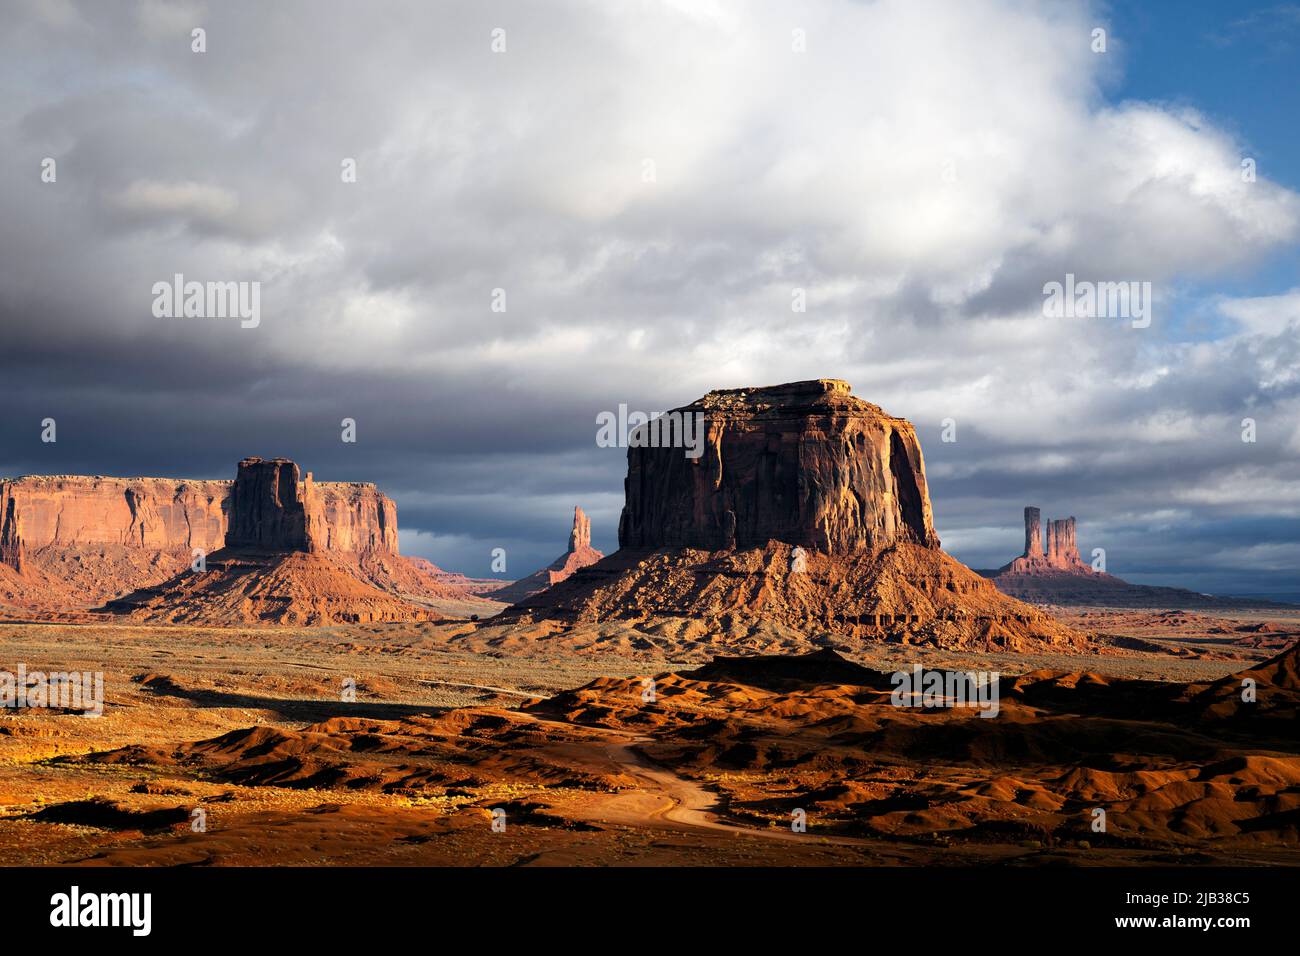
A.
pixel 1062 553
pixel 1056 575
pixel 78 541
pixel 806 463
pixel 273 509
pixel 808 510
pixel 39 513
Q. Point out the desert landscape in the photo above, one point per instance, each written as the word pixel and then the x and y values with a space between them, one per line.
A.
pixel 790 467
pixel 282 687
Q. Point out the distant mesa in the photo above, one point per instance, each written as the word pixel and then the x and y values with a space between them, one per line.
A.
pixel 294 554
pixel 479 587
pixel 808 511
pixel 278 548
pixel 579 555
pixel 1057 576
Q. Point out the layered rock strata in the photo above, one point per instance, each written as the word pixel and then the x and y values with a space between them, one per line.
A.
pixel 271 546
pixel 806 463
pixel 808 511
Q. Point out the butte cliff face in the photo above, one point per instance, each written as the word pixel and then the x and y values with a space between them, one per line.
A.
pixel 71 511
pixel 276 547
pixel 808 512
pixel 580 555
pixel 268 507
pixel 805 463
pixel 299 553
pixel 273 508
pixel 91 537
pixel 276 508
pixel 76 540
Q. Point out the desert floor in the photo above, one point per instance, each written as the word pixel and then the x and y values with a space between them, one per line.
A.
pixel 398 778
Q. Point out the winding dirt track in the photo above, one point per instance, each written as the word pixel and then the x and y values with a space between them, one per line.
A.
pixel 667 799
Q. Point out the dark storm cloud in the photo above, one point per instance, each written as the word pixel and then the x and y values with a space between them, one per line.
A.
pixel 920 226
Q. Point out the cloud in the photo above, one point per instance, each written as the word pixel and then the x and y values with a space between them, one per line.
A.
pixel 648 183
pixel 153 201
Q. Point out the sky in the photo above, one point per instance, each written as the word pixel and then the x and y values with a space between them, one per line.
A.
pixel 644 186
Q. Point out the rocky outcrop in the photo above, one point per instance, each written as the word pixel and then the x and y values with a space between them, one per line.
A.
pixel 11 540
pixel 298 553
pixel 79 539
pixel 805 463
pixel 273 509
pixel 1061 554
pixel 276 510
pixel 1058 576
pixel 1033 533
pixel 70 543
pixel 268 511
pixel 1062 548
pixel 580 535
pixel 352 517
pixel 161 514
pixel 103 536
pixel 580 555
pixel 807 513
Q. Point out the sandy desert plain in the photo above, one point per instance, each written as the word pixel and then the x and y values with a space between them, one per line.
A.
pixel 451 721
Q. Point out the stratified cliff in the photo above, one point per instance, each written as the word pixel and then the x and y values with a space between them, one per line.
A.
pixel 92 537
pixel 276 547
pixel 297 553
pixel 273 508
pixel 170 514
pixel 162 514
pixel 805 463
pixel 76 540
pixel 808 512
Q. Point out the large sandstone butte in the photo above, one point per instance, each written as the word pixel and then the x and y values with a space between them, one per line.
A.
pixel 69 543
pixel 296 552
pixel 805 463
pixel 92 537
pixel 1058 576
pixel 272 508
pixel 580 555
pixel 75 540
pixel 808 511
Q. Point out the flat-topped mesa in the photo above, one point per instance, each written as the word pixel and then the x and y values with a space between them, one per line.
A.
pixel 805 463
pixel 580 536
pixel 113 533
pixel 272 508
pixel 800 511
pixel 90 513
